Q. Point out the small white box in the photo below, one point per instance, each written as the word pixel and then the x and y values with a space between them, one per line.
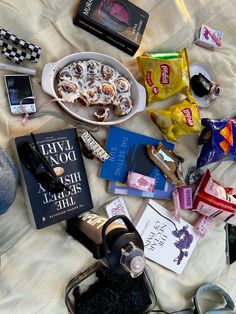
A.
pixel 207 37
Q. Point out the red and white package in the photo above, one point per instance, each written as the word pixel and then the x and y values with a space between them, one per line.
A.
pixel 212 200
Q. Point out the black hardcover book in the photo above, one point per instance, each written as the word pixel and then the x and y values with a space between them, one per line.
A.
pixel 62 151
pixel 118 22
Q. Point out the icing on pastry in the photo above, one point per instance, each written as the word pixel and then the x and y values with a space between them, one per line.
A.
pixel 108 73
pixel 122 85
pixel 68 90
pixel 92 83
pixel 78 69
pixel 108 92
pixel 124 106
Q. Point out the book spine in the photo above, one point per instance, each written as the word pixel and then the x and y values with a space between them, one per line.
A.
pixel 114 39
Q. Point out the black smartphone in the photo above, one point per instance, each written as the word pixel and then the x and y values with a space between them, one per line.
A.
pixel 230 243
pixel 19 90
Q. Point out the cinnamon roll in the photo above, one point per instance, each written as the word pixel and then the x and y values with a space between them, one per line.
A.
pixel 92 92
pixel 82 100
pixel 68 91
pixel 102 113
pixel 79 69
pixel 123 106
pixel 108 73
pixel 65 75
pixel 93 68
pixel 122 85
pixel 108 92
pixel 92 83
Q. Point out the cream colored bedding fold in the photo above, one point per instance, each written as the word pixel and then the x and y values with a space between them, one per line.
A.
pixel 36 265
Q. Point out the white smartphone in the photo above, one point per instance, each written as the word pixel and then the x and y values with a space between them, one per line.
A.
pixel 19 87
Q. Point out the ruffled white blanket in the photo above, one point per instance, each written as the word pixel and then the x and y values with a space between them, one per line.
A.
pixel 36 265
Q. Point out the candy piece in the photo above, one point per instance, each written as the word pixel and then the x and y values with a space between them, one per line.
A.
pixel 185 197
pixel 207 37
pixel 176 204
pixel 219 141
pixel 200 85
pixel 164 76
pixel 212 200
pixel 117 207
pixel 168 162
pixel 193 175
pixel 141 182
pixel 91 148
pixel 179 119
pixel 202 224
pixel 203 87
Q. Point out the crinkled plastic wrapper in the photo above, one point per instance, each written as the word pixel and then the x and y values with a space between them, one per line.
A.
pixel 212 200
pixel 219 141
pixel 179 119
pixel 164 76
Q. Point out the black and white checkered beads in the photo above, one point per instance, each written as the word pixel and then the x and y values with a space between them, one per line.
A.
pixel 31 52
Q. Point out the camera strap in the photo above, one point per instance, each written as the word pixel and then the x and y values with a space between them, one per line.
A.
pixel 20 50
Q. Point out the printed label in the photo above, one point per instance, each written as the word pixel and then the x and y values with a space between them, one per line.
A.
pixel 155 90
pixel 188 197
pixel 188 116
pixel 149 78
pixel 165 73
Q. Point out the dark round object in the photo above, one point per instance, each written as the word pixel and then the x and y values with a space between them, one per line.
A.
pixel 200 85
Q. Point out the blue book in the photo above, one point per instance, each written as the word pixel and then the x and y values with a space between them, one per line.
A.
pixel 127 151
pixel 123 189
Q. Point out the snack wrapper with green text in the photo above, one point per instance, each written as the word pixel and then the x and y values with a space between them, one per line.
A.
pixel 165 74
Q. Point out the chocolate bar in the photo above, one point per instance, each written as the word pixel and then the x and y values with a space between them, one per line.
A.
pixel 168 162
pixel 93 147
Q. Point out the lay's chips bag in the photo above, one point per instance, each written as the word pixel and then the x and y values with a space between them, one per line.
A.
pixel 165 74
pixel 179 119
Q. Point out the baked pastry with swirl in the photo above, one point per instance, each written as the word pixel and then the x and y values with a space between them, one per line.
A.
pixel 102 113
pixel 123 106
pixel 122 85
pixel 92 83
pixel 68 90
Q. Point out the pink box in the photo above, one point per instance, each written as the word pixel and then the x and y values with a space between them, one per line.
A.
pixel 185 197
pixel 141 182
pixel 207 37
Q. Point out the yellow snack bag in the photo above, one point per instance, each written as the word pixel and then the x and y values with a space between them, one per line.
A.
pixel 179 119
pixel 165 74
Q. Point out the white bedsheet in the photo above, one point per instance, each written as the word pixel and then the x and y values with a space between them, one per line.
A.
pixel 36 265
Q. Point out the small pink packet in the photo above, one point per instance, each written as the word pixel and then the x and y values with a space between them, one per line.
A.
pixel 176 203
pixel 202 224
pixel 208 37
pixel 141 182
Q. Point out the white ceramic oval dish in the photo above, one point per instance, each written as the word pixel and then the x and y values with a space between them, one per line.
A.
pixel 49 75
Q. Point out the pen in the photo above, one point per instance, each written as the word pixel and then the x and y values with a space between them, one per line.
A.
pixel 18 69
